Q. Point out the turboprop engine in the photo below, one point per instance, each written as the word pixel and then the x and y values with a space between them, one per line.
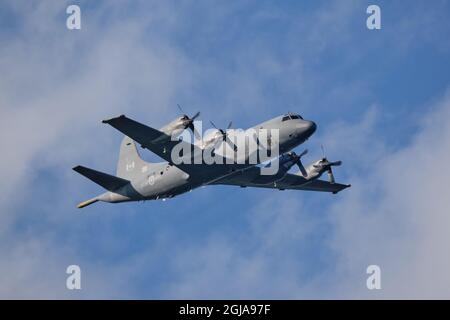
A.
pixel 177 126
pixel 317 168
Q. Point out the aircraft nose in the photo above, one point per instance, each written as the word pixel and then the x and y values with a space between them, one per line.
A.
pixel 311 128
pixel 305 129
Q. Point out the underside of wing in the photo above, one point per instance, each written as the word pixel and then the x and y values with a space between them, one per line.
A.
pixel 321 185
pixel 289 182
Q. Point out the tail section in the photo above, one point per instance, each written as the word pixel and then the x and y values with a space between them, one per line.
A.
pixel 130 165
pixel 109 182
pixel 129 168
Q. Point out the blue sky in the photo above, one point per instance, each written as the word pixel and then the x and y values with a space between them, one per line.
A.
pixel 380 99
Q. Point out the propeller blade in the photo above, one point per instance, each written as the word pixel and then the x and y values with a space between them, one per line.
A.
pixel 230 143
pixel 221 130
pixel 303 153
pixel 330 175
pixel 212 123
pixel 194 131
pixel 336 163
pixel 195 115
pixel 302 168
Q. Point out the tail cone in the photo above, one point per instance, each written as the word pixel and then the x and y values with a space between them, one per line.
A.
pixel 86 203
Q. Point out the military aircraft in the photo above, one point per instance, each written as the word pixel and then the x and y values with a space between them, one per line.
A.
pixel 137 180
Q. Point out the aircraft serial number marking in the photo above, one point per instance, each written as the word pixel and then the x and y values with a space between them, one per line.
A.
pixel 233 310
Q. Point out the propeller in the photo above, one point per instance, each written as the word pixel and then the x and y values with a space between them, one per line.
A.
pixel 297 160
pixel 330 171
pixel 188 122
pixel 324 164
pixel 225 135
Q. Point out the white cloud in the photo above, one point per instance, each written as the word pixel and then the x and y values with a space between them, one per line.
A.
pixel 397 215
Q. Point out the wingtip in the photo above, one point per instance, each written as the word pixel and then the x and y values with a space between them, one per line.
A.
pixel 111 119
pixel 345 187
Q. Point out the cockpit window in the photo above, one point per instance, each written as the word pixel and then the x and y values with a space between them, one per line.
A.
pixel 291 116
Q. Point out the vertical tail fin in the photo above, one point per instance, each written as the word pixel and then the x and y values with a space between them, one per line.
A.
pixel 130 164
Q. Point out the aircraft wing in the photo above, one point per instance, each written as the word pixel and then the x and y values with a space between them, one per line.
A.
pixel 289 182
pixel 157 142
pixel 148 137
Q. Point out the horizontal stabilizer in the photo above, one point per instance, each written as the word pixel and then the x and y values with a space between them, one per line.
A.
pixel 109 182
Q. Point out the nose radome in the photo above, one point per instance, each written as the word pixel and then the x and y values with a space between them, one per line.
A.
pixel 311 127
pixel 306 128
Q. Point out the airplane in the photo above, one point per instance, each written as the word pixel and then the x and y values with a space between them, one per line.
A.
pixel 138 180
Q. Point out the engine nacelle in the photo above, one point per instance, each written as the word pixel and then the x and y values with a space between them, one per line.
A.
pixel 210 139
pixel 317 168
pixel 175 127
